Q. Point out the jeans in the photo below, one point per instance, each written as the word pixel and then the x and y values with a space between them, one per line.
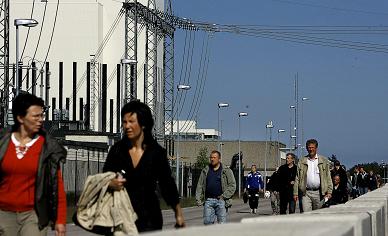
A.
pixel 275 202
pixel 214 208
pixel 362 190
pixel 287 199
pixel 253 198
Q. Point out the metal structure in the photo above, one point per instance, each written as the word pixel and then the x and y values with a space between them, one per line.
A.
pixel 4 61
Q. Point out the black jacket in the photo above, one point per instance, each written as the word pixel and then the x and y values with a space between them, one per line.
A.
pixel 286 175
pixel 46 186
pixel 142 181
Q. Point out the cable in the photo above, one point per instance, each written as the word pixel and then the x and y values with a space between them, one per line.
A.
pixel 197 87
pixel 28 31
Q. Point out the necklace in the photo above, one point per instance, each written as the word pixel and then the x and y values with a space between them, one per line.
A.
pixel 21 151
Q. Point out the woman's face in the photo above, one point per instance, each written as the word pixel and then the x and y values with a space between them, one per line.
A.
pixel 32 122
pixel 131 126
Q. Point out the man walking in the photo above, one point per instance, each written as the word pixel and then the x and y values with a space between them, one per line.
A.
pixel 362 181
pixel 287 174
pixel 313 178
pixel 253 185
pixel 216 185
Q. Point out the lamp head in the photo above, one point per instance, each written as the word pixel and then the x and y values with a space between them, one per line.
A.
pixel 25 22
pixel 223 104
pixel 183 87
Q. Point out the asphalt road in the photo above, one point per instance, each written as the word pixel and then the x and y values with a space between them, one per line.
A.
pixel 194 216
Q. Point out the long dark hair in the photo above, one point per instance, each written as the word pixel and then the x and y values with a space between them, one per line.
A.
pixel 144 118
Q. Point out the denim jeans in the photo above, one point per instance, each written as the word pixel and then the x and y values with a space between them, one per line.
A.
pixel 362 190
pixel 214 208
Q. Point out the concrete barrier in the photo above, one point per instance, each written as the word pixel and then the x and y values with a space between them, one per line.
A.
pixel 376 211
pixel 260 228
pixel 361 222
pixel 366 215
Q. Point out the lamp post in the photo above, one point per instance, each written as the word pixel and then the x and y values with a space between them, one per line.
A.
pixel 267 126
pixel 220 105
pixel 180 88
pixel 240 114
pixel 17 23
pixel 279 131
pixel 303 100
pixel 291 128
pixel 124 91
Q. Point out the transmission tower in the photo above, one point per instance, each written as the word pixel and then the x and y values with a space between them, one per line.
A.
pixel 4 62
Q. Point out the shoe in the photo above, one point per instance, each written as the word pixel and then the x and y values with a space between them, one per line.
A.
pixel 254 211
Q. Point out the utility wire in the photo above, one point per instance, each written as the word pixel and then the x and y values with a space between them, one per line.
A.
pixel 29 28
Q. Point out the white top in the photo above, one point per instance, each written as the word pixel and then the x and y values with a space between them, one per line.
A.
pixel 313 180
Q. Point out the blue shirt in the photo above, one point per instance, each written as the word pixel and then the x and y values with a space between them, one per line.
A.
pixel 213 183
pixel 254 181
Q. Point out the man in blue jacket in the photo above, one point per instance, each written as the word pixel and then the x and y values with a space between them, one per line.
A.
pixel 253 185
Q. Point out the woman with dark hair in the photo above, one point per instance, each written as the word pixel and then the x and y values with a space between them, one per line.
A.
pixel 143 164
pixel 31 187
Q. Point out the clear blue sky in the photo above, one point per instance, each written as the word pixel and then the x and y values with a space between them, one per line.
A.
pixel 348 89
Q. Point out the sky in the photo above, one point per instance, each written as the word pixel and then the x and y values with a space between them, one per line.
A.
pixel 347 89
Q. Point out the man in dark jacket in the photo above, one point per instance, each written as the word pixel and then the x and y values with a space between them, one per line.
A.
pixel 287 173
pixel 338 170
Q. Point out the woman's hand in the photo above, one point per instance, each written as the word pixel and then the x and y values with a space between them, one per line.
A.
pixel 117 184
pixel 60 230
pixel 180 221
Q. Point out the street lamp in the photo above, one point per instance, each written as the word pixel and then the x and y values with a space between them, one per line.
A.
pixel 240 114
pixel 268 126
pixel 17 23
pixel 220 105
pixel 303 99
pixel 279 131
pixel 180 87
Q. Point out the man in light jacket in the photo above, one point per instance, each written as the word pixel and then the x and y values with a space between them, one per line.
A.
pixel 313 178
pixel 215 189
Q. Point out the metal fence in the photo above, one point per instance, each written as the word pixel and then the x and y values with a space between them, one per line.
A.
pixel 84 159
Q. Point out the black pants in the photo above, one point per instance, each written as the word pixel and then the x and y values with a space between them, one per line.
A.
pixel 253 198
pixel 287 199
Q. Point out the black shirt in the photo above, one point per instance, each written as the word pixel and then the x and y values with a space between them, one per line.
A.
pixel 213 183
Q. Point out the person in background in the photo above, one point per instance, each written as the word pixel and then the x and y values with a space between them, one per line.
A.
pixel 287 174
pixel 338 170
pixel 355 188
pixel 215 189
pixel 372 181
pixel 339 194
pixel 254 184
pixel 145 165
pixel 313 178
pixel 362 181
pixel 273 186
pixel 31 187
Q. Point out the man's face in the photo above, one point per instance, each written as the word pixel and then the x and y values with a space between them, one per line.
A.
pixel 289 159
pixel 214 159
pixel 312 149
pixel 337 167
pixel 253 168
pixel 336 180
